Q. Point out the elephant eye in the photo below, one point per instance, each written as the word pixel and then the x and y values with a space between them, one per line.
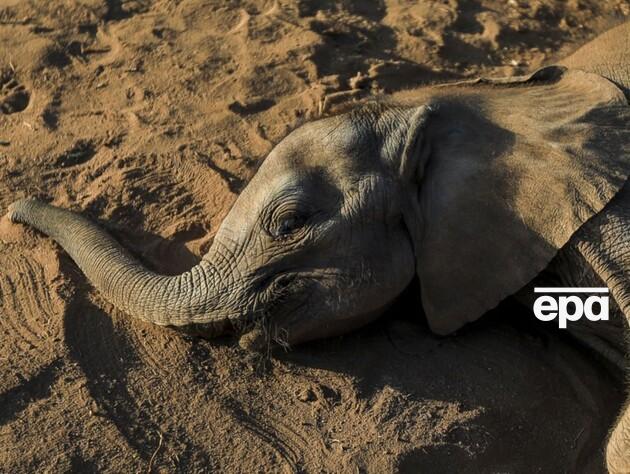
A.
pixel 287 225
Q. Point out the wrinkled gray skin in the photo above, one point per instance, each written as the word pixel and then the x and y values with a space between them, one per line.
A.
pixel 605 242
pixel 317 244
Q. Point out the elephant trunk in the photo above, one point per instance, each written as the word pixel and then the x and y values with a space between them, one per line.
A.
pixel 189 299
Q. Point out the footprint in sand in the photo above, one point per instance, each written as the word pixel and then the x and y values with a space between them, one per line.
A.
pixel 13 96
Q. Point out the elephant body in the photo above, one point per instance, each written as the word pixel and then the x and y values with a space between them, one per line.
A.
pixel 602 245
pixel 607 55
pixel 481 189
pixel 598 255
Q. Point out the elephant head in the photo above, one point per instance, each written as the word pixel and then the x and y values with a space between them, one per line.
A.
pixel 472 188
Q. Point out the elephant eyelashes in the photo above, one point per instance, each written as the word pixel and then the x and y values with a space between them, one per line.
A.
pixel 286 226
pixel 286 215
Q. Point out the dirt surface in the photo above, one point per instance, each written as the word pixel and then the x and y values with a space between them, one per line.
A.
pixel 150 117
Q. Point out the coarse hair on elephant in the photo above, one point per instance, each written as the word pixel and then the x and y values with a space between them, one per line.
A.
pixel 474 188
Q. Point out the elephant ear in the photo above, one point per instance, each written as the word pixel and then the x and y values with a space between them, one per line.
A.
pixel 501 174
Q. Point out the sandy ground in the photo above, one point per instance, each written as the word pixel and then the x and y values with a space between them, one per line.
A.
pixel 150 117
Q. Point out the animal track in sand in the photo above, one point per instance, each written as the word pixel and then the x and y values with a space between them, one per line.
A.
pixel 13 96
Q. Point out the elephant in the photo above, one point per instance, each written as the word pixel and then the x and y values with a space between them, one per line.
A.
pixel 473 191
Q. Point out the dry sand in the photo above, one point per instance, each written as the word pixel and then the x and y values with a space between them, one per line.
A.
pixel 150 117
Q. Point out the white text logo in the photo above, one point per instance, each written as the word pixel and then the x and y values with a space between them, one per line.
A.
pixel 573 306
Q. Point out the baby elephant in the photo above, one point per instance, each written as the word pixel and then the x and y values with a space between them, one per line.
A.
pixel 480 189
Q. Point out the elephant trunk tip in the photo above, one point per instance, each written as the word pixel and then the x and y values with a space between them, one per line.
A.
pixel 17 210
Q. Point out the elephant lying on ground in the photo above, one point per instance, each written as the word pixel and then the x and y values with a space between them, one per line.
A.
pixel 480 189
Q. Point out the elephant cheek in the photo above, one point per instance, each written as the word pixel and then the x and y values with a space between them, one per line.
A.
pixel 307 328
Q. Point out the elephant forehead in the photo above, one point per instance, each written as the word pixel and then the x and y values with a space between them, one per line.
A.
pixel 261 191
pixel 319 142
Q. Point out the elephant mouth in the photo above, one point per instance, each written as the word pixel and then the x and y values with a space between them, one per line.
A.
pixel 283 295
